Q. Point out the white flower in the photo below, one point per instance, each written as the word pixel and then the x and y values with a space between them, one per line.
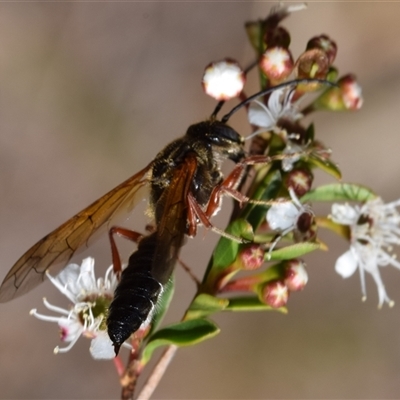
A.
pixel 279 106
pixel 287 216
pixel 374 228
pixel 90 298
pixel 223 80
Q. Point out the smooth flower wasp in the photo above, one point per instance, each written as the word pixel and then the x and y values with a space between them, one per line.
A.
pixel 186 187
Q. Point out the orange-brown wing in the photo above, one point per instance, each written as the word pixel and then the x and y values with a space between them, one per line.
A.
pixel 57 248
pixel 171 227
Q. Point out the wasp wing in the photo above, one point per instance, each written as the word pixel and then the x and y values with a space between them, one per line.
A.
pixel 57 248
pixel 173 220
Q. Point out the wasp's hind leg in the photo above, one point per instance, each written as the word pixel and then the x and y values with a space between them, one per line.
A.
pixel 127 234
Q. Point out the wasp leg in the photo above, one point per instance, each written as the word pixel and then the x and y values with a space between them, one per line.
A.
pixel 189 271
pixel 195 210
pixel 232 181
pixel 125 233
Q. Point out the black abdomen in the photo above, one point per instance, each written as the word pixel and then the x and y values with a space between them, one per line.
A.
pixel 135 295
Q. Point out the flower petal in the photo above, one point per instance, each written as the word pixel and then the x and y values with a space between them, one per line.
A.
pixel 101 347
pixel 344 214
pixel 282 216
pixel 346 264
pixel 259 115
pixel 87 280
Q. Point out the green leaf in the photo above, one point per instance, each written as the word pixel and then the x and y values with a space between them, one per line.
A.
pixel 341 230
pixel 184 333
pixel 163 304
pixel 204 305
pixel 251 304
pixel 326 165
pixel 267 189
pixel 339 192
pixel 292 251
pixel 226 251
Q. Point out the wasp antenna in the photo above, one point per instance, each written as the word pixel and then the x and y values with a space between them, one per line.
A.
pixel 293 82
pixel 217 109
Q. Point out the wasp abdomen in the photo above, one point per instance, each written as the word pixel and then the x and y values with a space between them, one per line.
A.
pixel 135 295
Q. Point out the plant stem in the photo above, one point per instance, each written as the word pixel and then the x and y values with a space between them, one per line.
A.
pixel 157 373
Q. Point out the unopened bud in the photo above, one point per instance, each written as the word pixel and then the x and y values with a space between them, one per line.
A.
pixel 252 257
pixel 347 96
pixel 277 37
pixel 276 63
pixel 351 92
pixel 300 180
pixel 223 80
pixel 296 276
pixel 275 294
pixel 312 64
pixel 323 42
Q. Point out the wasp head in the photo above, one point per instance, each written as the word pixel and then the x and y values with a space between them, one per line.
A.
pixel 223 139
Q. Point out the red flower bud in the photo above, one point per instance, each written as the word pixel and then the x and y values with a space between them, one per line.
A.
pixel 275 294
pixel 296 276
pixel 300 180
pixel 351 92
pixel 252 257
pixel 277 37
pixel 277 63
pixel 323 42
pixel 313 63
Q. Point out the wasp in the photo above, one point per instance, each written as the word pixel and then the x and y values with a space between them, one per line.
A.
pixel 185 185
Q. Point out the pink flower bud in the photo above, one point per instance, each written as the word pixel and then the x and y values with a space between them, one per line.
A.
pixel 223 80
pixel 296 276
pixel 275 294
pixel 323 42
pixel 277 63
pixel 351 92
pixel 313 63
pixel 277 37
pixel 345 97
pixel 300 180
pixel 252 257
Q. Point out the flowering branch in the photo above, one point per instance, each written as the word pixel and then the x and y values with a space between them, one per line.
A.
pixel 273 227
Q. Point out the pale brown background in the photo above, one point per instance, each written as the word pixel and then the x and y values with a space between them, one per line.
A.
pixel 89 92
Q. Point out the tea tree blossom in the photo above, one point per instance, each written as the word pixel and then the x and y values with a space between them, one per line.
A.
pixel 374 229
pixel 291 216
pixel 279 106
pixel 86 317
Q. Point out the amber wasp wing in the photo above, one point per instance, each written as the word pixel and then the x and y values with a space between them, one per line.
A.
pixel 56 249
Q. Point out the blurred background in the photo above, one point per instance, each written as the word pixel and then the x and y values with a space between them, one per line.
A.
pixel 90 92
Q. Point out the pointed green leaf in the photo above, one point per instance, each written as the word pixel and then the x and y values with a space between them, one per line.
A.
pixel 226 250
pixel 255 33
pixel 326 165
pixel 341 230
pixel 251 304
pixel 163 303
pixel 184 333
pixel 292 251
pixel 204 305
pixel 339 192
